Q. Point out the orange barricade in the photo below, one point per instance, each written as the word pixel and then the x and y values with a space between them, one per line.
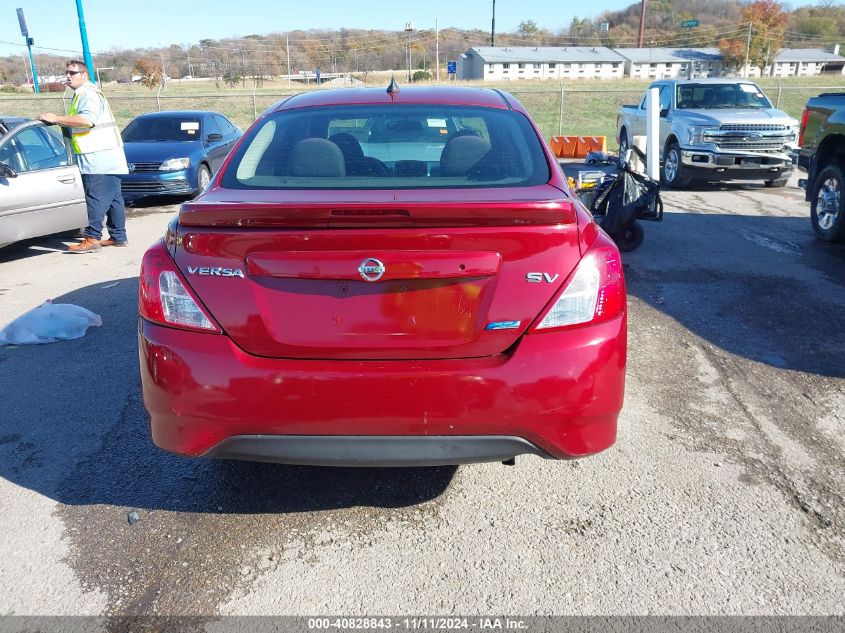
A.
pixel 587 144
pixel 563 146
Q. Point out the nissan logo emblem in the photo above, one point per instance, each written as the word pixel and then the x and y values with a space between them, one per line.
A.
pixel 371 269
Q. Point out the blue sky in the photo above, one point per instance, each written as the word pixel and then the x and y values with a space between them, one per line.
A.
pixel 151 23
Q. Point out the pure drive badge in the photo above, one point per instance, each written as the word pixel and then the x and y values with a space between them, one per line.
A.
pixel 215 272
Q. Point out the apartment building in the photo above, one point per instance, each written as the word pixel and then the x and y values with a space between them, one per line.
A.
pixel 522 63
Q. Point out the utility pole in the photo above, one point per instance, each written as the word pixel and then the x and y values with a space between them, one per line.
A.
pixel 437 50
pixel 29 43
pixel 642 25
pixel 409 28
pixel 26 71
pixel 83 34
pixel 493 26
pixel 747 49
pixel 287 50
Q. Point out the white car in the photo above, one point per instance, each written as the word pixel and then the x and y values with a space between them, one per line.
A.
pixel 40 185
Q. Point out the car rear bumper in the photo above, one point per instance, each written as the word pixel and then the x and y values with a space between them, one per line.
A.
pixel 373 450
pixel 556 394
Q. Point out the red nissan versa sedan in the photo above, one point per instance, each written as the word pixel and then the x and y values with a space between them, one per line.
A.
pixel 385 278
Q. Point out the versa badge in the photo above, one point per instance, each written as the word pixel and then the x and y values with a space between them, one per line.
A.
pixel 215 272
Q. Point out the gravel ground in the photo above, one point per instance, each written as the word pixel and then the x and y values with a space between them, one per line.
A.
pixel 722 495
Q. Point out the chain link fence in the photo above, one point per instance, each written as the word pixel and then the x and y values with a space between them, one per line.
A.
pixel 241 109
pixel 562 110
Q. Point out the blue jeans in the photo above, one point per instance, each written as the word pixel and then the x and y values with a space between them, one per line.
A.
pixel 104 200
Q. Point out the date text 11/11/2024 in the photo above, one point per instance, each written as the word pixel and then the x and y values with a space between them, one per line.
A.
pixel 417 623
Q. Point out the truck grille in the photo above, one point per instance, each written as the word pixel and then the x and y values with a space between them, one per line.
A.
pixel 755 127
pixel 751 137
pixel 768 146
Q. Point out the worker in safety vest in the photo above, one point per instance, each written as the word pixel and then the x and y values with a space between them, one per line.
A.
pixel 98 148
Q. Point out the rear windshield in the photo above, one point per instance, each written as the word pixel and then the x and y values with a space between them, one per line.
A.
pixel 389 147
pixel 706 96
pixel 162 128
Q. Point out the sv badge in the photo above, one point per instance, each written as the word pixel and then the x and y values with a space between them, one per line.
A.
pixel 536 278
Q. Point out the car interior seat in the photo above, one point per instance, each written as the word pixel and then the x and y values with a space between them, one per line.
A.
pixel 356 163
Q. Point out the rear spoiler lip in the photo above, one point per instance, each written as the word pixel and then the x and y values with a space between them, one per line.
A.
pixel 390 214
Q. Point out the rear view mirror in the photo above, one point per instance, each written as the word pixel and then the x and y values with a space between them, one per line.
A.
pixel 664 112
pixel 7 172
pixel 214 136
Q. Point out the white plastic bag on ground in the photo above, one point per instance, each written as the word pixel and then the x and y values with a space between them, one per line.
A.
pixel 48 323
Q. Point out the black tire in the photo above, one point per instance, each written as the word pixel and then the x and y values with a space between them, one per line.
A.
pixel 827 205
pixel 631 237
pixel 623 142
pixel 781 182
pixel 672 173
pixel 203 178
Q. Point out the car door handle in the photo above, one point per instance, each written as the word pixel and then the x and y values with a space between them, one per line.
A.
pixel 66 179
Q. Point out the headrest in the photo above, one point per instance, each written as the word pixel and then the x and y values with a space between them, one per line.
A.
pixel 348 144
pixel 316 157
pixel 461 153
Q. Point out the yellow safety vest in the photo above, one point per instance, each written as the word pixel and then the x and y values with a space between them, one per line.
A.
pixel 104 134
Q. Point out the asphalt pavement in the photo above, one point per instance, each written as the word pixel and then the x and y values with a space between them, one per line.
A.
pixel 722 495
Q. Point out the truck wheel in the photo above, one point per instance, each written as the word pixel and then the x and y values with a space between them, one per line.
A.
pixel 781 182
pixel 623 142
pixel 673 172
pixel 827 210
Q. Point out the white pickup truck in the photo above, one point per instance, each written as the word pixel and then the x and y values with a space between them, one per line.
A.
pixel 715 129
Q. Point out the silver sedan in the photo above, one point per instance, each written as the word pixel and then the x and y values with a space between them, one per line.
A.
pixel 40 185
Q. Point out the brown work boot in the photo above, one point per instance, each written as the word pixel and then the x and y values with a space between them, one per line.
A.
pixel 111 242
pixel 87 245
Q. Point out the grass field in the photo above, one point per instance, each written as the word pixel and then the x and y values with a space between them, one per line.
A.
pixel 586 107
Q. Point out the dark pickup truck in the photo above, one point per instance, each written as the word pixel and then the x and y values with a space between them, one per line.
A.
pixel 822 157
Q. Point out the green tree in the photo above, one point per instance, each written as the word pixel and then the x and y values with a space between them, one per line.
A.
pixel 580 26
pixel 816 27
pixel 528 28
pixel 231 76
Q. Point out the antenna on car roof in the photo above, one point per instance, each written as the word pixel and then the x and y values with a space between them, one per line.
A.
pixel 393 88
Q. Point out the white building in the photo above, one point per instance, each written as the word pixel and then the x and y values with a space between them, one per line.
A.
pixel 557 63
pixel 521 63
pixel 806 62
pixel 670 63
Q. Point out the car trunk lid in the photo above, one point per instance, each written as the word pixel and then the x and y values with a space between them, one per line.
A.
pixel 419 274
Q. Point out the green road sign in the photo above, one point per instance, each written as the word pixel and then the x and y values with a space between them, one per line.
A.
pixel 689 24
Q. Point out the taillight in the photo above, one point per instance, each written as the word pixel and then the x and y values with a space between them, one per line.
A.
pixel 804 118
pixel 164 297
pixel 594 292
